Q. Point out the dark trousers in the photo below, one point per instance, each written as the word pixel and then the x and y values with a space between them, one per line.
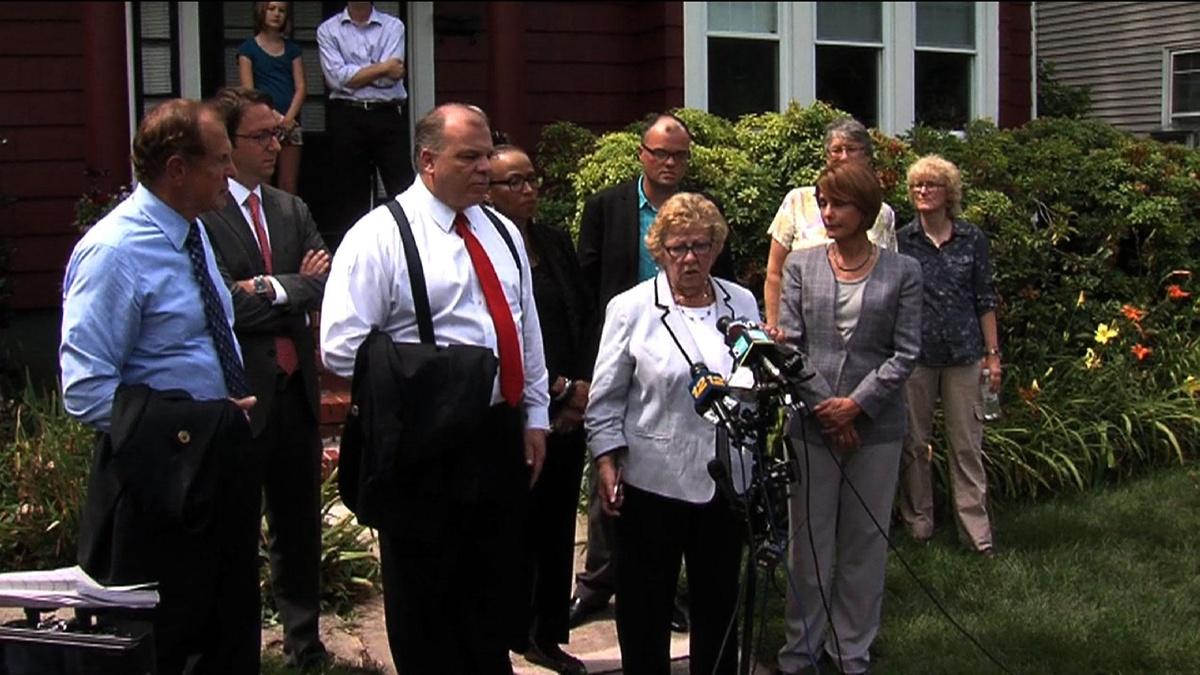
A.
pixel 290 447
pixel 363 141
pixel 451 573
pixel 208 620
pixel 653 533
pixel 597 582
pixel 550 538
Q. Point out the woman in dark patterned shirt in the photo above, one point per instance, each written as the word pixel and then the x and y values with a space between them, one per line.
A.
pixel 958 340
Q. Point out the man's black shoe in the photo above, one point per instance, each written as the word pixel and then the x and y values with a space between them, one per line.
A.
pixel 679 617
pixel 580 611
pixel 551 656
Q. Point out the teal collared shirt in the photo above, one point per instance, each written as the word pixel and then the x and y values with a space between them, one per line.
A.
pixel 647 268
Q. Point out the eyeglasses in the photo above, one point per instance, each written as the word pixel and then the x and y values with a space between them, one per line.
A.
pixel 663 155
pixel 680 250
pixel 926 185
pixel 264 137
pixel 846 150
pixel 517 182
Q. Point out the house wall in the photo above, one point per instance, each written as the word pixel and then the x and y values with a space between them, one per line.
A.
pixel 42 159
pixel 1016 72
pixel 1116 48
pixel 63 111
pixel 599 64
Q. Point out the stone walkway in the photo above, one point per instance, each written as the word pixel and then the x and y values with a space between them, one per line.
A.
pixel 363 641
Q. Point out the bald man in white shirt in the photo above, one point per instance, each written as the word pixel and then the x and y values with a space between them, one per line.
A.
pixel 448 589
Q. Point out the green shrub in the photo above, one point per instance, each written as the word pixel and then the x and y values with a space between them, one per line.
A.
pixel 1073 208
pixel 44 464
pixel 1055 99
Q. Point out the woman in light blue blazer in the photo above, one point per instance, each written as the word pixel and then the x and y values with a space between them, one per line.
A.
pixel 652 449
pixel 854 310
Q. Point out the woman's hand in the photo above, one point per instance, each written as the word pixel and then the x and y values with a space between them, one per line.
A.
pixel 610 493
pixel 836 413
pixel 992 363
pixel 844 439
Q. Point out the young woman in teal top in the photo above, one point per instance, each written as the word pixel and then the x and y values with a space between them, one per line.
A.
pixel 270 62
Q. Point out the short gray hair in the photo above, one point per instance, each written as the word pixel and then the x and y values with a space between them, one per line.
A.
pixel 852 129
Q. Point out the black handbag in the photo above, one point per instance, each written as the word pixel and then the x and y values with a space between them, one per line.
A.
pixel 409 403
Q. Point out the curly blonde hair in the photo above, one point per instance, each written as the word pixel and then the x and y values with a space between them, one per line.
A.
pixel 937 168
pixel 686 212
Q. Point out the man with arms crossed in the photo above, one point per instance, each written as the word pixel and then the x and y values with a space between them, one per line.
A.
pixel 274 263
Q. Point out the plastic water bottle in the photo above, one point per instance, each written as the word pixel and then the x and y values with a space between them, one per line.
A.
pixel 991 399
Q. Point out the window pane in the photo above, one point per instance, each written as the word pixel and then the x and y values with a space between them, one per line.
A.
pixel 742 17
pixel 743 76
pixel 156 70
pixel 238 18
pixel 848 79
pixel 850 21
pixel 156 20
pixel 1185 95
pixel 943 89
pixel 1187 61
pixel 946 24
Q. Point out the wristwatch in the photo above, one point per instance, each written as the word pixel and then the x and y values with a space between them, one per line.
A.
pixel 261 287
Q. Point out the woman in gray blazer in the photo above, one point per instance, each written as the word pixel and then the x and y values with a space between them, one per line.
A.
pixel 854 310
pixel 652 449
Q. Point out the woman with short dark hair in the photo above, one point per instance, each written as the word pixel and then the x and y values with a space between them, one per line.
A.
pixel 853 309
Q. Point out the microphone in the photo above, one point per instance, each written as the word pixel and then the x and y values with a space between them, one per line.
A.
pixel 708 388
pixel 752 347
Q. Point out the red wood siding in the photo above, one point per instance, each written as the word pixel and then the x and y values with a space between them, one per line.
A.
pixel 1016 54
pixel 598 64
pixel 42 163
pixel 62 110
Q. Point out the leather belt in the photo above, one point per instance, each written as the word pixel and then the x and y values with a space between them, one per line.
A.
pixel 367 105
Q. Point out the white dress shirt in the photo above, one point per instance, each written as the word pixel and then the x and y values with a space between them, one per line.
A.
pixel 641 398
pixel 240 194
pixel 369 286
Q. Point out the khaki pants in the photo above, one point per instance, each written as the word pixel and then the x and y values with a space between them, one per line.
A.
pixel 962 407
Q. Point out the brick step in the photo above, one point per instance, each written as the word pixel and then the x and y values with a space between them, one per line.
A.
pixel 335 403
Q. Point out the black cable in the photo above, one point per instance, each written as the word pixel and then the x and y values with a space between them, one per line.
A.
pixel 812 547
pixel 928 592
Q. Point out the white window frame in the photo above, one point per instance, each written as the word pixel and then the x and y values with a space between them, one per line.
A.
pixel 695 48
pixel 1168 84
pixel 886 66
pixel 797 26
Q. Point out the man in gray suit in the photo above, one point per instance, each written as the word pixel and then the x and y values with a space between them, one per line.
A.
pixel 275 262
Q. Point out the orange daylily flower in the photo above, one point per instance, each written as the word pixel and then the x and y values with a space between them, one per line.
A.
pixel 1141 351
pixel 1174 292
pixel 1133 313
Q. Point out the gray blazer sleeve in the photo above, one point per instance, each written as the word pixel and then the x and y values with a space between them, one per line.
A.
pixel 814 388
pixel 879 387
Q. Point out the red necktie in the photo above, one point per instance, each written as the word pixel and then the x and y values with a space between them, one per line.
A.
pixel 285 350
pixel 512 374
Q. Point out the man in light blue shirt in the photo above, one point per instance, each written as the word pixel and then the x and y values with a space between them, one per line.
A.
pixel 144 304
pixel 131 306
pixel 363 60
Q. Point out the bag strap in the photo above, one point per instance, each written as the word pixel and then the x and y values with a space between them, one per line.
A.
pixel 416 273
pixel 512 248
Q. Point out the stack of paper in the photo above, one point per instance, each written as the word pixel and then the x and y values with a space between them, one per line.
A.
pixel 70 587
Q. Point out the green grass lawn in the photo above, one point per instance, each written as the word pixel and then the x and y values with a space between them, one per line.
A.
pixel 1100 583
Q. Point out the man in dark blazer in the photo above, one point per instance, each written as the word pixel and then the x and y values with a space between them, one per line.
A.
pixel 613 256
pixel 275 262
